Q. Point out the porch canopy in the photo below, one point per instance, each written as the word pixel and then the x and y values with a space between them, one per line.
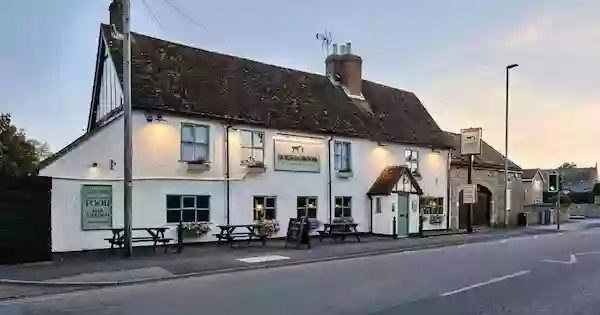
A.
pixel 395 179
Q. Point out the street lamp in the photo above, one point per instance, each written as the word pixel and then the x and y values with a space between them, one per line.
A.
pixel 514 65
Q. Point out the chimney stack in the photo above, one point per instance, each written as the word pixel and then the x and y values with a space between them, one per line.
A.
pixel 346 68
pixel 115 11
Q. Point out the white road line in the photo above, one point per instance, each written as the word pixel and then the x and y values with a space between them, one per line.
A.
pixel 535 236
pixel 588 253
pixel 481 284
pixel 461 245
pixel 503 241
pixel 257 259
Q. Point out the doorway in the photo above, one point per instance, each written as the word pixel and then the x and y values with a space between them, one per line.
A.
pixel 402 215
pixel 482 209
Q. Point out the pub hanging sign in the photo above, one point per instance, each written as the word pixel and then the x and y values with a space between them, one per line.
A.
pixel 96 207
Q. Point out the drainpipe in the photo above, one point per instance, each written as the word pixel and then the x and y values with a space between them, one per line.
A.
pixel 371 210
pixel 449 191
pixel 329 189
pixel 227 175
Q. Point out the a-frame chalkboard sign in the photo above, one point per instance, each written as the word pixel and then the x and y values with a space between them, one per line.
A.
pixel 298 232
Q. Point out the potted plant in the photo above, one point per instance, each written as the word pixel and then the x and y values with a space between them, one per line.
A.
pixel 199 164
pixel 195 229
pixel 255 166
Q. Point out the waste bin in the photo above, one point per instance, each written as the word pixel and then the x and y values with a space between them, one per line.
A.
pixel 522 219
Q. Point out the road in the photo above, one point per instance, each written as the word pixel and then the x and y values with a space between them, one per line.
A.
pixel 545 274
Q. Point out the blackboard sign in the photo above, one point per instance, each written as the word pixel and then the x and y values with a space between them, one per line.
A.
pixel 298 232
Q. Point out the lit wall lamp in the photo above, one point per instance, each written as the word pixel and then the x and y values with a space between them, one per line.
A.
pixel 158 117
pixel 435 150
pixel 381 144
pixel 94 164
pixel 112 164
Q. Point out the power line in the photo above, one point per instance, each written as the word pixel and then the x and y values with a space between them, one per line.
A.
pixel 172 5
pixel 153 16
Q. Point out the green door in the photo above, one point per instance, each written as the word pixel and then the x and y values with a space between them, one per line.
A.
pixel 402 215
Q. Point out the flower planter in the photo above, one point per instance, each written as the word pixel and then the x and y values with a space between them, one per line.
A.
pixel 198 166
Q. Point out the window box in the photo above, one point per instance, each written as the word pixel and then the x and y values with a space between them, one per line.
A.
pixel 199 165
pixel 195 229
pixel 256 167
pixel 345 174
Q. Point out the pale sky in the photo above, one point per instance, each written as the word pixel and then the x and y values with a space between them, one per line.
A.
pixel 452 54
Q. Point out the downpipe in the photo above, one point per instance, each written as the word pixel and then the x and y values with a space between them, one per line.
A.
pixel 227 175
pixel 329 181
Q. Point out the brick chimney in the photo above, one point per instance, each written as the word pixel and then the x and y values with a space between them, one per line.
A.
pixel 115 12
pixel 345 68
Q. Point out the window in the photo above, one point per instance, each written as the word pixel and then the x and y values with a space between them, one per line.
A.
pixel 342 155
pixel 412 159
pixel 306 206
pixel 343 207
pixel 194 142
pixel 188 208
pixel 377 205
pixel 268 204
pixel 252 146
pixel 431 205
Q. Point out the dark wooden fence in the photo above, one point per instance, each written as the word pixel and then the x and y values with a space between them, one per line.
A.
pixel 25 219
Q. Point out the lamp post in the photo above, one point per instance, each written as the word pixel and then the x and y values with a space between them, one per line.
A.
pixel 506 147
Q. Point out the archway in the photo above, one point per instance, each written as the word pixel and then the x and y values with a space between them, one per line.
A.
pixel 482 210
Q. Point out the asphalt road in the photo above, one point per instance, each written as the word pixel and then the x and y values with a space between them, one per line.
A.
pixel 545 274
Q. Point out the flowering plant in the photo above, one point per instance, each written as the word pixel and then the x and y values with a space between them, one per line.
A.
pixel 268 227
pixel 196 229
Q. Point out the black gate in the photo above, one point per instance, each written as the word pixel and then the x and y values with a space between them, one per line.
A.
pixel 25 219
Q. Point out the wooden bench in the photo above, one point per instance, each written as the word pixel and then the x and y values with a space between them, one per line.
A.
pixel 156 237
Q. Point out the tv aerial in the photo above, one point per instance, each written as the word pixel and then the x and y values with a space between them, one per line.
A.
pixel 326 39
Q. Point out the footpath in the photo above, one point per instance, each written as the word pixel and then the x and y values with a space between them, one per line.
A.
pixel 103 268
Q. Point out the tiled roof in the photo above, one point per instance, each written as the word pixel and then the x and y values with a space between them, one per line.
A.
pixel 530 173
pixel 389 177
pixel 489 158
pixel 189 81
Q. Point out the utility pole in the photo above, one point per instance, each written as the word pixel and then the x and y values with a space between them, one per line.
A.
pixel 128 148
pixel 506 148
pixel 558 210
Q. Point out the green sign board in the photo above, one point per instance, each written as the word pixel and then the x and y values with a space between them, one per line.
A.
pixel 96 207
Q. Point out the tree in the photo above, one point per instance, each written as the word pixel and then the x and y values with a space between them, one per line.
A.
pixel 19 156
pixel 568 165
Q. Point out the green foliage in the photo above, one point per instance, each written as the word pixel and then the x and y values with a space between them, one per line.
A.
pixel 565 201
pixel 19 156
pixel 585 197
pixel 568 165
pixel 596 189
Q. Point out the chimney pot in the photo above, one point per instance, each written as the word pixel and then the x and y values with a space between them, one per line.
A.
pixel 347 67
pixel 335 49
pixel 348 48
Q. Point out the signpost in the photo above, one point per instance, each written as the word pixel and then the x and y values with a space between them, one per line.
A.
pixel 470 145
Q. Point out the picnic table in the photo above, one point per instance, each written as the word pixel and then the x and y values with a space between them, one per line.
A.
pixel 339 229
pixel 248 232
pixel 156 235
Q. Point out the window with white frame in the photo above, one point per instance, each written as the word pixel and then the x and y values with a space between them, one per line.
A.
pixel 194 142
pixel 343 207
pixel 264 207
pixel 306 206
pixel 342 153
pixel 412 160
pixel 188 208
pixel 252 146
pixel 431 205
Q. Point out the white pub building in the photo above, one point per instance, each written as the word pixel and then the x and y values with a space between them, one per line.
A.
pixel 215 136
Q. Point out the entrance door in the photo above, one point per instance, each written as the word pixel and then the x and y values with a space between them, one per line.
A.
pixel 402 215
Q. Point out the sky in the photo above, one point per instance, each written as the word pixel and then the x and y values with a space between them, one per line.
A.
pixel 451 54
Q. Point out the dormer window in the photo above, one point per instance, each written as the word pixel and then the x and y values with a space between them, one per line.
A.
pixel 342 152
pixel 252 147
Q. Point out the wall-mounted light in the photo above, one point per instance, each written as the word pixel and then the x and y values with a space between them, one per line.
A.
pixel 112 164
pixel 381 144
pixel 158 118
pixel 435 150
pixel 94 164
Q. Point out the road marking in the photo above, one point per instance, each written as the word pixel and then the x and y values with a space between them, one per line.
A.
pixel 588 253
pixel 536 236
pixel 461 245
pixel 257 259
pixel 503 241
pixel 571 261
pixel 481 284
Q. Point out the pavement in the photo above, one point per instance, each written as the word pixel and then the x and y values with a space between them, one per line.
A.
pixel 482 273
